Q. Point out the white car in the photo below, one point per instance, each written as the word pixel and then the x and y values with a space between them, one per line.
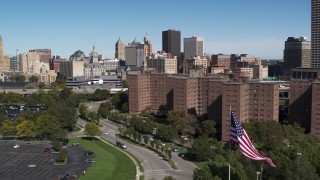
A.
pixel 16 146
pixel 106 133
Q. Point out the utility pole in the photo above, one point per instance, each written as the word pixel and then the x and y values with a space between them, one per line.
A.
pixel 298 154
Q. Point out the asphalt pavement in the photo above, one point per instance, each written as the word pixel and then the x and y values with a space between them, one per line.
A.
pixel 154 165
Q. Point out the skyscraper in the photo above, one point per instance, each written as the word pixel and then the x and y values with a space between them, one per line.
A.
pixel 135 54
pixel 4 60
pixel 193 46
pixel 147 46
pixel 315 33
pixel 171 43
pixel 120 50
pixel 297 53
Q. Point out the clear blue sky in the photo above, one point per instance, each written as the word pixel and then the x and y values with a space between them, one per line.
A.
pixel 257 27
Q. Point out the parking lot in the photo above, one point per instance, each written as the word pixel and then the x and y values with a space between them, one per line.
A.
pixel 29 161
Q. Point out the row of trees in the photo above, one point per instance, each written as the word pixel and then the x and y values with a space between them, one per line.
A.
pixel 44 126
pixel 55 106
pixel 280 142
pixel 22 78
pixel 156 145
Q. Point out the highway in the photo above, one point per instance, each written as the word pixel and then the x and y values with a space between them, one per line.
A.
pixel 154 166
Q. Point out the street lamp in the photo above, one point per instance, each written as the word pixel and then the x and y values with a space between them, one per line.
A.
pixel 298 154
pixel 258 172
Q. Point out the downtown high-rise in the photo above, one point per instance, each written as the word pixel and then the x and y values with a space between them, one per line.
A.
pixel 315 33
pixel 171 43
pixel 297 53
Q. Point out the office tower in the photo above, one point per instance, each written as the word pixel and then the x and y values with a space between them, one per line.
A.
pixel 163 63
pixel 135 55
pixel 120 50
pixel 193 46
pixel 315 33
pixel 72 68
pixel 44 54
pixel 147 46
pixel 4 59
pixel 14 63
pixel 198 63
pixel 171 43
pixel 297 53
pixel 221 60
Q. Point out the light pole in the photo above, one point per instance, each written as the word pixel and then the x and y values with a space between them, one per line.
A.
pixel 298 154
pixel 258 172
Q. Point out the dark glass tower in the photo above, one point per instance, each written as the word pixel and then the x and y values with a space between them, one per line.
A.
pixel 171 43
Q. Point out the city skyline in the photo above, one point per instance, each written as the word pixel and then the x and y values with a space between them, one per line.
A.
pixel 257 28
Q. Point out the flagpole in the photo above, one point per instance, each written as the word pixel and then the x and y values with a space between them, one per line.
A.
pixel 261 171
pixel 229 147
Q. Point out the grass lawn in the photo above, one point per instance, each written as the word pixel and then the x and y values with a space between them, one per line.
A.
pixel 110 162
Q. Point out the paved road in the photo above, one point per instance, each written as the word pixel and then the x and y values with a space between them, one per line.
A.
pixel 154 166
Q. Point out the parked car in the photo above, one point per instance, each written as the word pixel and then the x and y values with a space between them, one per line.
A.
pixel 88 153
pixel 106 133
pixel 174 149
pixel 71 176
pixel 121 145
pixel 46 149
pixel 89 161
pixel 75 144
pixel 16 146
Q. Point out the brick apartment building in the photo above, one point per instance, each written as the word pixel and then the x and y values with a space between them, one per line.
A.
pixel 205 97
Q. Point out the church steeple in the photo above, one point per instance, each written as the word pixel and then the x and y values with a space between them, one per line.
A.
pixel 94 55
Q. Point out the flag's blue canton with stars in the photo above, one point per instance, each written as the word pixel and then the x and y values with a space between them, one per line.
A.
pixel 239 136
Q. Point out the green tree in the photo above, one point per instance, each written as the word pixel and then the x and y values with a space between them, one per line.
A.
pixel 8 128
pixel 46 125
pixel 83 110
pixel 168 178
pixel 93 116
pixel 61 156
pixel 60 81
pixel 145 139
pixel 92 129
pixel 202 174
pixel 208 127
pixel 33 79
pixel 19 78
pixel 99 95
pixel 12 98
pixel 65 114
pixel 119 98
pixel 73 100
pixel 26 129
pixel 125 107
pixel 65 93
pixel 166 133
pixel 104 109
pixel 205 148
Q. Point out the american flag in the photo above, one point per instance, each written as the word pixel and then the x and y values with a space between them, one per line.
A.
pixel 239 136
